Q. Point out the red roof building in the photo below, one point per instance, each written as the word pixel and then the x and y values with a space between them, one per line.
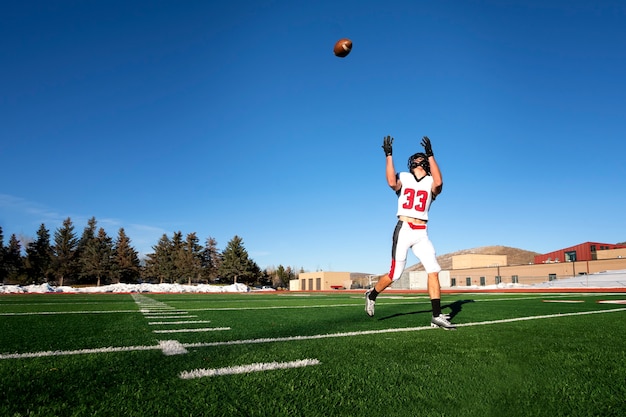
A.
pixel 587 251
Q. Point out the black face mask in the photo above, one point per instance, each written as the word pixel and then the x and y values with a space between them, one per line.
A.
pixel 419 160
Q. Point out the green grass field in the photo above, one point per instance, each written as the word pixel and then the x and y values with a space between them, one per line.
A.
pixel 319 354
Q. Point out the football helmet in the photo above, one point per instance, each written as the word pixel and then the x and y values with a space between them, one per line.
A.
pixel 419 160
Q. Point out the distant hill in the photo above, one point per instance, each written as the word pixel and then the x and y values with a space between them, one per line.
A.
pixel 515 256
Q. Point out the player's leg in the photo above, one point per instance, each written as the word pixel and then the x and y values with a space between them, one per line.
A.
pixel 372 293
pixel 399 250
pixel 425 251
pixel 434 292
pixel 383 283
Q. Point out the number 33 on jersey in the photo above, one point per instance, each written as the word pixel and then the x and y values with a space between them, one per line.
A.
pixel 415 197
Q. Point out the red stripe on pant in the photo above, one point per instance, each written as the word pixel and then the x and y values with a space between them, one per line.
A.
pixel 393 267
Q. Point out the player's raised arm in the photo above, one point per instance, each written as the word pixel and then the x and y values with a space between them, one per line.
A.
pixel 390 170
pixel 435 172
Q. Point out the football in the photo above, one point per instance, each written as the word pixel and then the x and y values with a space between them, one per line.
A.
pixel 342 47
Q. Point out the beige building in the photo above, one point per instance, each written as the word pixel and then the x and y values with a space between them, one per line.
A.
pixel 611 254
pixel 532 273
pixel 326 281
pixel 468 270
pixel 481 270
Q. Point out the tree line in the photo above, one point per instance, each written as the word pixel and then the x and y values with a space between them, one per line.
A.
pixel 94 258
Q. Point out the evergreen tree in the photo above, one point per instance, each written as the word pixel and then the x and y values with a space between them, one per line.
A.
pixel 289 275
pixel 192 257
pixel 255 276
pixel 281 277
pixel 64 252
pixel 159 264
pixel 97 259
pixel 236 264
pixel 39 257
pixel 178 257
pixel 126 259
pixel 211 260
pixel 86 239
pixel 3 250
pixel 13 261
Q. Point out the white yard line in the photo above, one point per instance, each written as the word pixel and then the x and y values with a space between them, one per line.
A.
pixel 50 313
pixel 158 323
pixel 290 338
pixel 162 312
pixel 205 329
pixel 76 352
pixel 409 301
pixel 190 309
pixel 396 330
pixel 244 369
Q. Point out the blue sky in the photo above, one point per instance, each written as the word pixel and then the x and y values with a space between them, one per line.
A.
pixel 235 118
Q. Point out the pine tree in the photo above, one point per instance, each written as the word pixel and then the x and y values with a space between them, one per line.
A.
pixel 86 239
pixel 236 264
pixel 178 257
pixel 126 259
pixel 255 275
pixel 64 252
pixel 3 250
pixel 14 262
pixel 190 259
pixel 159 264
pixel 97 260
pixel 211 260
pixel 39 257
pixel 281 276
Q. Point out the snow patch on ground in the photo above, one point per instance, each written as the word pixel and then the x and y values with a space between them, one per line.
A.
pixel 124 288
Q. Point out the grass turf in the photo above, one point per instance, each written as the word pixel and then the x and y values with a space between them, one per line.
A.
pixel 561 365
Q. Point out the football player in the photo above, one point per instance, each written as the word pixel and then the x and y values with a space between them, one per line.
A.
pixel 416 190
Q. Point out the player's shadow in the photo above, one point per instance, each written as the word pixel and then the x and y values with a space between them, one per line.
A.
pixel 455 309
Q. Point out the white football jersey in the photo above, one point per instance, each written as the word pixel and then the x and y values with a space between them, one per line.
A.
pixel 414 197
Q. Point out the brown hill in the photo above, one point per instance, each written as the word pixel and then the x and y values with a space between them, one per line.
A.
pixel 515 256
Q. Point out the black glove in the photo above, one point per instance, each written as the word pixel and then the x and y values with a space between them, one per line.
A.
pixel 387 142
pixel 427 147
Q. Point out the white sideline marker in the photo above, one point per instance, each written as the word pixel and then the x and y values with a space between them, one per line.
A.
pixel 244 369
pixel 152 323
pixel 49 353
pixel 205 329
pixel 163 312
